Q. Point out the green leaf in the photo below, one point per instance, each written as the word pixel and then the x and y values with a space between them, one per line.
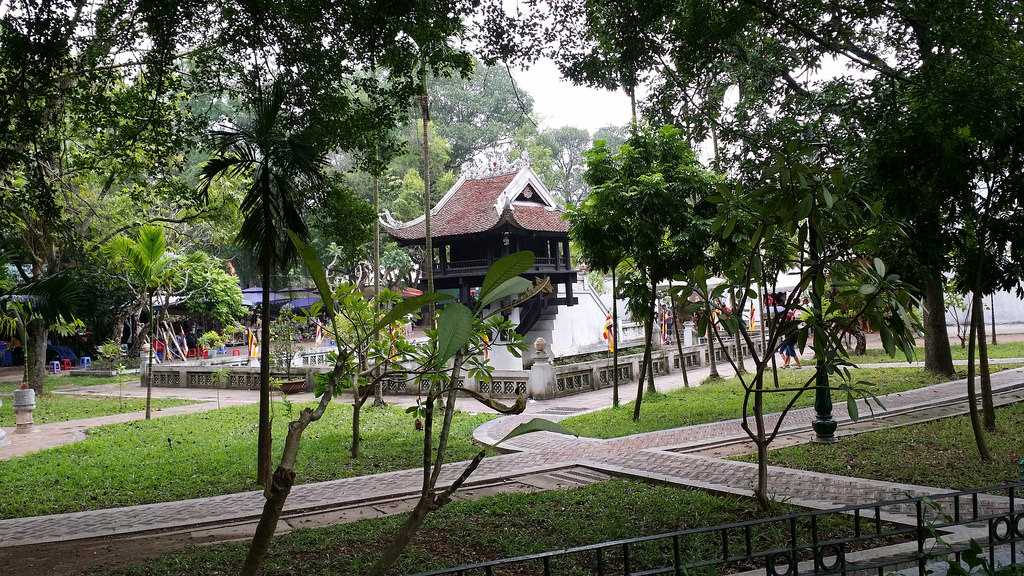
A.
pixel 454 329
pixel 511 287
pixel 409 306
pixel 851 406
pixel 887 340
pixel 866 289
pixel 315 270
pixel 829 199
pixel 536 425
pixel 880 267
pixel 508 267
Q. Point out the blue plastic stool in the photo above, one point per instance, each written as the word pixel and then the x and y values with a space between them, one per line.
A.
pixel 55 367
pixel 6 358
pixel 85 361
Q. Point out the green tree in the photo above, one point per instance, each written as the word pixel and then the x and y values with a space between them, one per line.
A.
pixel 207 289
pixel 806 208
pixel 477 112
pixel 91 106
pixel 648 199
pixel 284 166
pixel 568 145
pixel 148 268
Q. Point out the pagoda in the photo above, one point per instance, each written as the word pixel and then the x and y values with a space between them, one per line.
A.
pixel 478 221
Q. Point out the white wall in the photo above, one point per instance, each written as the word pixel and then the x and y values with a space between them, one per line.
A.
pixel 578 328
pixel 1009 309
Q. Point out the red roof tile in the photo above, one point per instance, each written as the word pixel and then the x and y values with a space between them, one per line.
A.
pixel 539 218
pixel 471 209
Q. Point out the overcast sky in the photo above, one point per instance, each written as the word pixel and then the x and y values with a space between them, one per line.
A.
pixel 557 102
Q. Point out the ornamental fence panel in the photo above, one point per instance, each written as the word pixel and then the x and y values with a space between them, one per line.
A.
pixel 904 536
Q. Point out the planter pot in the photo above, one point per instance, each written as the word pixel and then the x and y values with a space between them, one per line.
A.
pixel 24 403
pixel 293 386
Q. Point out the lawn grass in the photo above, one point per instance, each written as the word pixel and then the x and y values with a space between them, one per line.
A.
pixel 723 400
pixel 205 454
pixel 52 407
pixel 939 453
pixel 67 381
pixel 1001 350
pixel 506 525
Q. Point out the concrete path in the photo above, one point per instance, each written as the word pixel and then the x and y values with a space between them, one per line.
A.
pixel 54 434
pixel 652 455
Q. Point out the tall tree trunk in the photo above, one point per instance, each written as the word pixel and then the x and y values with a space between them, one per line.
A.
pixel 280 485
pixel 646 366
pixel 972 396
pixel 378 389
pixel 861 342
pixel 740 368
pixel 650 337
pixel 149 363
pixel 937 356
pixel 615 340
pixel 987 403
pixel 117 325
pixel 428 256
pixel 679 340
pixel 412 524
pixel 264 440
pixel 357 408
pixel 992 315
pixel 35 354
pixel 712 362
pixel 761 442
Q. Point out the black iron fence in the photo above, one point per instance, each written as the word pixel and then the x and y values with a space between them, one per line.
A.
pixel 909 535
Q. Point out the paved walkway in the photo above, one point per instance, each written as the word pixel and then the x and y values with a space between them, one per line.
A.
pixel 54 434
pixel 652 455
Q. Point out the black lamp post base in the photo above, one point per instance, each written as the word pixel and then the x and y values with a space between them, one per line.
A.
pixel 825 431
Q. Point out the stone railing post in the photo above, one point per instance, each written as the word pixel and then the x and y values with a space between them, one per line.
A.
pixel 542 374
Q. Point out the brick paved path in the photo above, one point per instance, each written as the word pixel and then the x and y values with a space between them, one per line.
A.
pixel 644 455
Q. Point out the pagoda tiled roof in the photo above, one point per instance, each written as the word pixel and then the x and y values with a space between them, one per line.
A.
pixel 476 205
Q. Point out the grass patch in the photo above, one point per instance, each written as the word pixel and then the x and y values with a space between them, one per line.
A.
pixel 508 525
pixel 206 454
pixel 940 453
pixel 723 400
pixel 52 407
pixel 1001 350
pixel 67 381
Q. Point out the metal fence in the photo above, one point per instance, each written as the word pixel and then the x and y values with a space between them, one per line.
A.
pixel 909 535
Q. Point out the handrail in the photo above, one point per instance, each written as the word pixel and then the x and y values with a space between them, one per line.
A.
pixel 819 548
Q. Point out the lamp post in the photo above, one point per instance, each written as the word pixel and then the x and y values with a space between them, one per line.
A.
pixel 824 424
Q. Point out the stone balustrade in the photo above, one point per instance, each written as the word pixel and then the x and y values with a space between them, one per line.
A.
pixel 543 380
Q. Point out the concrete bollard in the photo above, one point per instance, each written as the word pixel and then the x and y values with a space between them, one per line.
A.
pixel 24 404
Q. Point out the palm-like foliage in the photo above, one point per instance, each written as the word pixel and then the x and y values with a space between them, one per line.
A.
pixel 144 259
pixel 147 267
pixel 283 167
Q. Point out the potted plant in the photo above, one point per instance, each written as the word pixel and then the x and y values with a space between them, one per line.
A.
pixel 210 340
pixel 109 356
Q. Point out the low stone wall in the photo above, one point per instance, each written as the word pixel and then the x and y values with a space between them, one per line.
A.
pixel 579 377
pixel 238 377
pixel 541 381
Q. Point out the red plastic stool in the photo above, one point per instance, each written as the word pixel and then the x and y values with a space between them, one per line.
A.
pixel 236 352
pixel 65 364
